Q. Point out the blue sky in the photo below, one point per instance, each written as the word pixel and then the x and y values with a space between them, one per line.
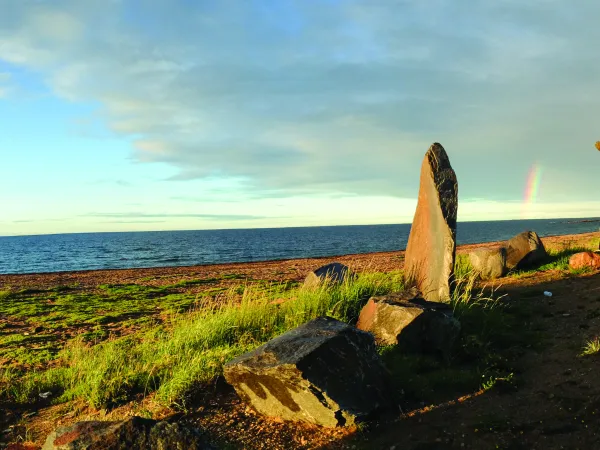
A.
pixel 151 115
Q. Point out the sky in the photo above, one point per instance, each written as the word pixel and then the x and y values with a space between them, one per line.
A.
pixel 120 115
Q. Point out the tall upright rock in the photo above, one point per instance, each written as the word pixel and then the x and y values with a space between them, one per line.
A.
pixel 431 249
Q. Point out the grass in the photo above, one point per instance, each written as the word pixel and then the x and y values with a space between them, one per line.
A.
pixel 188 350
pixel 493 335
pixel 558 259
pixel 591 347
pixel 180 335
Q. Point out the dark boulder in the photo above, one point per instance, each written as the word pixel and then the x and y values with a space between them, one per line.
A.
pixel 134 433
pixel 324 372
pixel 413 323
pixel 431 247
pixel 525 251
pixel 334 272
pixel 488 264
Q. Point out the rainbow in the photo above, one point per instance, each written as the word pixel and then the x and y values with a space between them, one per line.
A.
pixel 533 184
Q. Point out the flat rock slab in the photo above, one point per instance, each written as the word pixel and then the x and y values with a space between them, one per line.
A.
pixel 134 433
pixel 431 247
pixel 489 264
pixel 585 259
pixel 324 372
pixel 525 251
pixel 334 272
pixel 415 324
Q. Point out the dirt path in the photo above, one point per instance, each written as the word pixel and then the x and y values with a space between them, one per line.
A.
pixel 553 404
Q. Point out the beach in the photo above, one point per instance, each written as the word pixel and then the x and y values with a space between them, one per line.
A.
pixel 276 271
pixel 532 355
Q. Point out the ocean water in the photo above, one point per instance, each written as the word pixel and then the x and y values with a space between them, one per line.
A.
pixel 85 251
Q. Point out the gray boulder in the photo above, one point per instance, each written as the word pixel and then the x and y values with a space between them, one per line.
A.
pixel 413 323
pixel 134 433
pixel 431 247
pixel 335 272
pixel 324 372
pixel 487 263
pixel 525 251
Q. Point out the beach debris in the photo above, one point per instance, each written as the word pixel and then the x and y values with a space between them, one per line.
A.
pixel 45 394
pixel 548 293
pixel 134 433
pixel 415 324
pixel 525 250
pixel 324 372
pixel 335 272
pixel 488 263
pixel 431 247
pixel 584 260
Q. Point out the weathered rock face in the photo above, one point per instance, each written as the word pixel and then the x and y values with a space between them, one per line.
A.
pixel 489 264
pixel 134 433
pixel 431 248
pixel 584 259
pixel 525 250
pixel 324 372
pixel 413 323
pixel 336 273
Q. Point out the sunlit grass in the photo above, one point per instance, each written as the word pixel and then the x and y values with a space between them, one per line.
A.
pixel 591 347
pixel 190 349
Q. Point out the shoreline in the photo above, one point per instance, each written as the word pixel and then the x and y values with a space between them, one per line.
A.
pixel 276 270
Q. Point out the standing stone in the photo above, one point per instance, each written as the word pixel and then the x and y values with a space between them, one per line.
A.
pixel 431 248
pixel 324 372
pixel 489 264
pixel 525 250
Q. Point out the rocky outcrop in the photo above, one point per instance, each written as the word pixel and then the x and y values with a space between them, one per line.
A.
pixel 335 273
pixel 487 263
pixel 324 372
pixel 411 322
pixel 431 248
pixel 134 433
pixel 583 260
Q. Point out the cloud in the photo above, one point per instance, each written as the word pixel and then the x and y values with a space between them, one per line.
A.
pixel 231 217
pixel 5 80
pixel 302 97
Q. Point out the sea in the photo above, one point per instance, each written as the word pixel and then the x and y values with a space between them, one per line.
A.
pixel 87 251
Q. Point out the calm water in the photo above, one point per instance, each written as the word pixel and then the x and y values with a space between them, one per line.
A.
pixel 84 251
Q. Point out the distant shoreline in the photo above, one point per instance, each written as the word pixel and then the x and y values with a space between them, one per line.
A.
pixel 282 269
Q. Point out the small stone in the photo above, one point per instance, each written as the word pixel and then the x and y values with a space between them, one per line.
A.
pixel 584 260
pixel 524 251
pixel 134 433
pixel 334 272
pixel 415 324
pixel 488 264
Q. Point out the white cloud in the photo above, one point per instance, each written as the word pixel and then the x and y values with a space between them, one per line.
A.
pixel 331 97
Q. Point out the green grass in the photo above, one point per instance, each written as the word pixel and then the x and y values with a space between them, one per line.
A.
pixel 189 350
pixel 591 347
pixel 462 267
pixel 558 260
pixel 179 340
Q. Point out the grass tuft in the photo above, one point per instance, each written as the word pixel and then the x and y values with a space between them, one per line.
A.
pixel 591 347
